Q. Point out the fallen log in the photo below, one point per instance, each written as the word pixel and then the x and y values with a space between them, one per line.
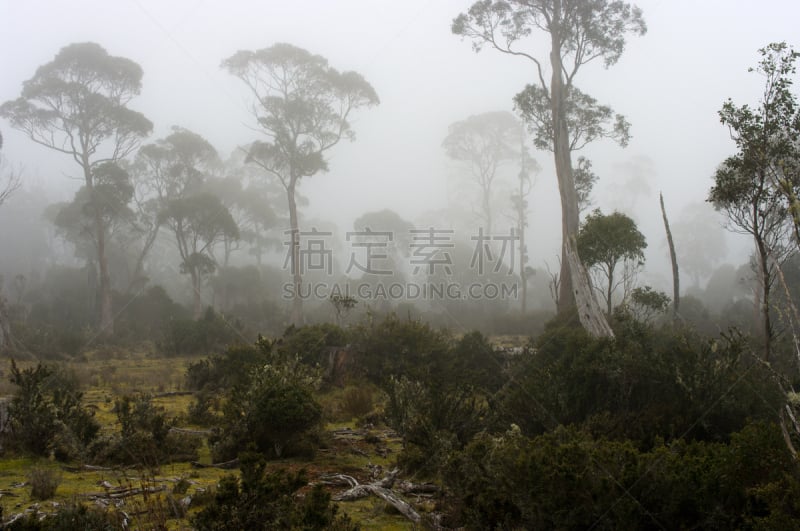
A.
pixel 187 431
pixel 381 489
pixel 227 465
pixel 85 468
pixel 124 493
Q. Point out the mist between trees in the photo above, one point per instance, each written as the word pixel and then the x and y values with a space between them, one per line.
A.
pixel 486 383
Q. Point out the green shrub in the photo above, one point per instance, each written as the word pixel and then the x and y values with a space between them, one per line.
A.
pixel 265 499
pixel 46 414
pixel 567 479
pixel 43 482
pixel 145 437
pixel 310 343
pixel 274 413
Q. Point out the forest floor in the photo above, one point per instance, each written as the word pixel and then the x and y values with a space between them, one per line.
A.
pixel 364 454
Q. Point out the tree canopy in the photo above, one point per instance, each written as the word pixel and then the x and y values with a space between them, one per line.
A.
pixel 560 116
pixel 302 106
pixel 606 240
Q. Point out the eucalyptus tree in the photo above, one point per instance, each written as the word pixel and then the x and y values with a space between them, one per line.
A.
pixel 198 222
pixel 756 188
pixel 302 106
pixel 484 143
pixel 606 240
pixel 77 104
pixel 519 208
pixel 259 206
pixel 562 118
pixel 170 168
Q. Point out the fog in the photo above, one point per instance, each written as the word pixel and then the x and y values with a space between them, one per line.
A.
pixel 669 84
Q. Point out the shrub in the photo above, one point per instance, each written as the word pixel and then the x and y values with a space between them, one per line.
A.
pixel 43 482
pixel 273 413
pixel 396 347
pixel 266 500
pixel 46 413
pixel 567 479
pixel 357 401
pixel 145 437
pixel 310 343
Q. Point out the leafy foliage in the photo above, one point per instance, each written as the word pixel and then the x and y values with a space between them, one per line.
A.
pixel 46 414
pixel 144 437
pixel 265 499
pixel 647 384
pixel 606 240
pixel 568 479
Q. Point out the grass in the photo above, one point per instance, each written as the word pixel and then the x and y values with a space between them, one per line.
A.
pixel 105 380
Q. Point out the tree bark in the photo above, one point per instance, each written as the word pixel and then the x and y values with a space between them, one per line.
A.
pixel 575 289
pixel 106 301
pixel 766 280
pixel 296 316
pixel 676 282
pixel 381 489
pixel 591 316
pixel 198 301
pixel 138 271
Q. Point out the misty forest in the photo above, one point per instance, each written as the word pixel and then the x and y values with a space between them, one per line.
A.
pixel 510 264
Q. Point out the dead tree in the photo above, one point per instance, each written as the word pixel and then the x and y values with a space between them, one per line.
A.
pixel 676 287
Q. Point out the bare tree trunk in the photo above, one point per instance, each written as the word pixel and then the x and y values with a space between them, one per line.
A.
pixel 610 289
pixel 676 282
pixel 589 312
pixel 766 280
pixel 106 302
pixel 296 317
pixel 575 289
pixel 138 271
pixel 198 301
pixel 523 274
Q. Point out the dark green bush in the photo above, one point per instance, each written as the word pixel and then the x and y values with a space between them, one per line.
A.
pixel 566 479
pixel 310 343
pixel 645 384
pixel 145 438
pixel 275 414
pixel 267 500
pixel 397 347
pixel 46 414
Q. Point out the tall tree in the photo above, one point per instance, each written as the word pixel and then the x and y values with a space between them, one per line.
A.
pixel 261 207
pixel 519 205
pixel 751 187
pixel 302 106
pixel 77 105
pixel 774 126
pixel 673 257
pixel 561 117
pixel 169 168
pixel 606 240
pixel 198 222
pixel 484 143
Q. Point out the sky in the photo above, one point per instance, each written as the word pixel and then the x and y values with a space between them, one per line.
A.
pixel 669 84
